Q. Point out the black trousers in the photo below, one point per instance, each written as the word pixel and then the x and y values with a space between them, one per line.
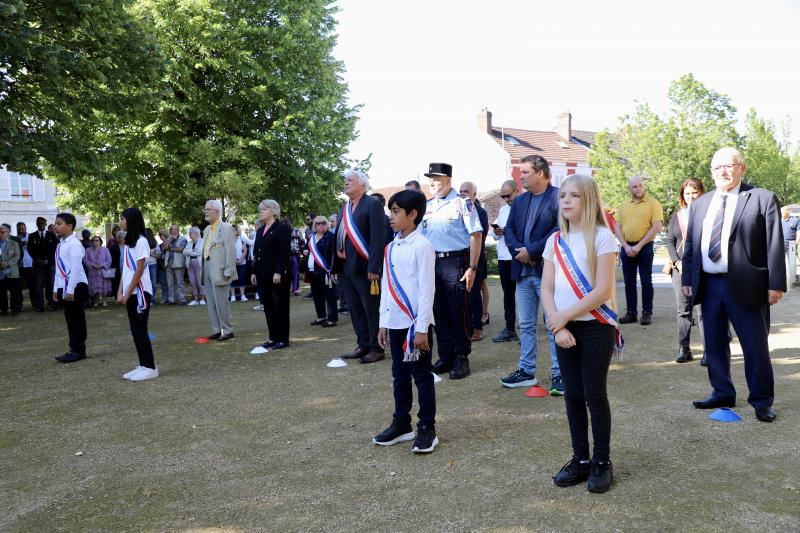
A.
pixel 364 311
pixel 476 305
pixel 41 286
pixel 685 312
pixel 509 293
pixel 450 308
pixel 12 286
pixel 138 323
pixel 26 277
pixel 76 318
pixel 584 368
pixel 422 372
pixel 324 296
pixel 275 299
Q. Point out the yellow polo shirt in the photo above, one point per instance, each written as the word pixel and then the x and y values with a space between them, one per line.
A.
pixel 211 234
pixel 637 217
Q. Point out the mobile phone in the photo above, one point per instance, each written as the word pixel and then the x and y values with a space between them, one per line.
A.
pixel 496 226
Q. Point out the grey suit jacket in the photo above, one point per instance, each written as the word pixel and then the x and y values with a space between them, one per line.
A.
pixel 222 254
pixel 12 258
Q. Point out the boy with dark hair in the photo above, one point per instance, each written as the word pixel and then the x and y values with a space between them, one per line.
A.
pixel 71 287
pixel 406 317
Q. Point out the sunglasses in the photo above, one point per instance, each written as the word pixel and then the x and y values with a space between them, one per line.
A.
pixel 505 196
pixel 320 223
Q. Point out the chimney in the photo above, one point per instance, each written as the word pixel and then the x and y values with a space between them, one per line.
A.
pixel 485 121
pixel 564 125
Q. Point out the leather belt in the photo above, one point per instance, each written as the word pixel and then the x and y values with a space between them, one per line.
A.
pixel 449 254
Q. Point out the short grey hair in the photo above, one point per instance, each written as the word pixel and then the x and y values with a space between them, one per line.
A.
pixel 272 205
pixel 362 177
pixel 194 230
pixel 216 204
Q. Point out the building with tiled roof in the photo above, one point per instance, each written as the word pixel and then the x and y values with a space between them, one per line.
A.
pixel 566 150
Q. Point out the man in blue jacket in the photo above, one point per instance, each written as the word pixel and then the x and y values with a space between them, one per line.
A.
pixel 532 219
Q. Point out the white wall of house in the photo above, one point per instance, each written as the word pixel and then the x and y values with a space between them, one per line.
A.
pixel 23 197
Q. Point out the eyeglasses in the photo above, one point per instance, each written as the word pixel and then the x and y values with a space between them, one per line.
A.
pixel 505 196
pixel 727 167
pixel 320 223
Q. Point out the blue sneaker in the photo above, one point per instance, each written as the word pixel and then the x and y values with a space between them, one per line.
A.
pixel 557 386
pixel 519 378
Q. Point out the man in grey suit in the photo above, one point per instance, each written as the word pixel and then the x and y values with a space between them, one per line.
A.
pixel 219 269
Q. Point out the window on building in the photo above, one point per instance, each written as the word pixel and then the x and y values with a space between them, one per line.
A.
pixel 21 186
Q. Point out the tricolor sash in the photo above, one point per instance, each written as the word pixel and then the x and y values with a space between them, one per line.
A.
pixel 401 299
pixel 62 267
pixel 351 230
pixel 581 286
pixel 140 297
pixel 318 259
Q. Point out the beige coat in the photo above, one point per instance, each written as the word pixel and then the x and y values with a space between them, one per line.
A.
pixel 12 258
pixel 222 253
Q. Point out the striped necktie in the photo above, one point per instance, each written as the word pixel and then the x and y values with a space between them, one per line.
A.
pixel 715 244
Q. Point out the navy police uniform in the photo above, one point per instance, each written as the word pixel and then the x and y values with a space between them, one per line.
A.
pixel 448 224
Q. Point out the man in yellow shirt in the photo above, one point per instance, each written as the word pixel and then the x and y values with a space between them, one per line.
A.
pixel 638 222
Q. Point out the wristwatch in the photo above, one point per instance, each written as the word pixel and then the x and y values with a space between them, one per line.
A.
pixel 473 267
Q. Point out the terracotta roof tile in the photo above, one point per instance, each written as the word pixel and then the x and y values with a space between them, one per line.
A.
pixel 548 144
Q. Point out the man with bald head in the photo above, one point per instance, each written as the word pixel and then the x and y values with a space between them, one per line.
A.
pixel 733 266
pixel 639 220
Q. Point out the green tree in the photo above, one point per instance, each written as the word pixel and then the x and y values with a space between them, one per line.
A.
pixel 253 106
pixel 66 67
pixel 768 161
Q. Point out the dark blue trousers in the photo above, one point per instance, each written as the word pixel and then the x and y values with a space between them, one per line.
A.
pixel 751 324
pixel 450 308
pixel 422 372
pixel 643 263
pixel 509 294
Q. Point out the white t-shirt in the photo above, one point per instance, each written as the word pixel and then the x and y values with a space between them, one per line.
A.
pixel 563 294
pixel 141 251
pixel 502 220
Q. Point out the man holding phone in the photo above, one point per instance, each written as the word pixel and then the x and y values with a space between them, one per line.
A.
pixel 508 191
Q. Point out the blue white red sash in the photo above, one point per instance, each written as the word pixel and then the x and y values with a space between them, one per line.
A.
pixel 581 286
pixel 62 267
pixel 131 264
pixel 401 299
pixel 351 230
pixel 318 259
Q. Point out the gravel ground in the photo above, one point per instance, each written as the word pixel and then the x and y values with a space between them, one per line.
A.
pixel 224 441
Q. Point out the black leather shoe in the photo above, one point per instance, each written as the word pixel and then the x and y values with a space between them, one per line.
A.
pixel 628 318
pixel 317 322
pixel 684 356
pixel 440 367
pixel 713 403
pixel 647 319
pixel 214 336
pixel 373 357
pixel 71 357
pixel 358 353
pixel 704 361
pixel 225 337
pixel 765 414
pixel 461 368
pixel 328 324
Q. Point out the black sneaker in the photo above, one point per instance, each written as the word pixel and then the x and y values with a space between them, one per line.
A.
pixel 647 319
pixel 519 378
pixel 396 432
pixel 600 476
pixel 426 440
pixel 279 346
pixel 71 357
pixel 441 367
pixel 269 344
pixel 628 318
pixel 461 368
pixel 557 386
pixel 572 473
pixel 684 356
pixel 504 336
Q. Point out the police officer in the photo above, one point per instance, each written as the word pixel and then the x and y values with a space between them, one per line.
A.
pixel 451 224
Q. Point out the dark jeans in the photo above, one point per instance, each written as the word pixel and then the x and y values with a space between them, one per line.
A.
pixel 364 311
pixel 26 276
pixel 11 286
pixel 450 308
pixel 422 372
pixel 685 310
pixel 76 318
pixel 275 299
pixel 324 296
pixel 138 323
pixel 509 290
pixel 584 368
pixel 643 262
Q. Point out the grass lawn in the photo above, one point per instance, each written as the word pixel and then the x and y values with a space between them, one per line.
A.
pixel 225 441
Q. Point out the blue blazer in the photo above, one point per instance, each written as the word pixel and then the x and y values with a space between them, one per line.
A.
pixel 544 225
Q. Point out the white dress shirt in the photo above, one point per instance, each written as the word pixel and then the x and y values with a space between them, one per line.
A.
pixel 413 260
pixel 502 219
pixel 720 266
pixel 70 251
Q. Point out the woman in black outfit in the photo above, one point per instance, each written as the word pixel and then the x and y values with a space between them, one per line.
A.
pixel 691 189
pixel 272 273
pixel 322 288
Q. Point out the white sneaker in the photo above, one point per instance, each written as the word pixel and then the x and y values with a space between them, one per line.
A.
pixel 127 375
pixel 202 302
pixel 144 373
pixel 193 302
pixel 259 307
pixel 232 298
pixel 243 298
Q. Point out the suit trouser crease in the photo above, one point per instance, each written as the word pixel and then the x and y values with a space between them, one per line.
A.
pixel 529 290
pixel 402 373
pixel 75 317
pixel 643 263
pixel 364 311
pixel 450 309
pixel 138 324
pixel 584 368
pixel 751 324
pixel 219 311
pixel 276 308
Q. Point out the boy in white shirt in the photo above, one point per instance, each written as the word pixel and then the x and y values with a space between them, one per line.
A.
pixel 406 317
pixel 71 287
